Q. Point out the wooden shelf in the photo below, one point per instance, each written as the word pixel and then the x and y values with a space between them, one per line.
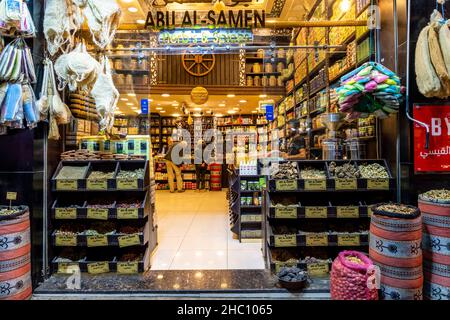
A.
pixel 263 73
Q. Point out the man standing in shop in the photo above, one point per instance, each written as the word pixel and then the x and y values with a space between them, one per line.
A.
pixel 175 150
pixel 296 146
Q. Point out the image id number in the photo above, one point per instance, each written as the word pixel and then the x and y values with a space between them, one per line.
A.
pixel 246 309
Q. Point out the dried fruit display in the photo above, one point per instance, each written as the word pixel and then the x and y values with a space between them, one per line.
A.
pixel 373 171
pixel 347 170
pixel 396 208
pixel 71 172
pixel 312 173
pixel 442 195
pixel 100 175
pixel 131 174
pixel 287 170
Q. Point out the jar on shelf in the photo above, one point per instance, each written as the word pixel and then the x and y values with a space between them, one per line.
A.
pixel 257 81
pixel 281 53
pixel 273 81
pixel 265 81
pixel 260 53
pixel 280 67
pixel 118 64
pixel 133 64
pixel 268 67
pixel 249 81
pixel 280 81
pixel 129 80
pixel 256 68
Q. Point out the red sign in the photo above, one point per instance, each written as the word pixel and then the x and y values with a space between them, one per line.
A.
pixel 437 157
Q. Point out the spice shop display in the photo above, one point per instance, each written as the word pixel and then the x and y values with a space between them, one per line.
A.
pixel 373 171
pixel 117 219
pixel 286 170
pixel 350 276
pixel 312 173
pixel 435 208
pixel 395 247
pixel 371 88
pixel 293 278
pixel 348 170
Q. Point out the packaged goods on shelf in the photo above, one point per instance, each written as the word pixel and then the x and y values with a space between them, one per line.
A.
pixel 319 81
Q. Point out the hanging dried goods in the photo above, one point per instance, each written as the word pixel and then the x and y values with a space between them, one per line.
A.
pixel 371 88
pixel 15 18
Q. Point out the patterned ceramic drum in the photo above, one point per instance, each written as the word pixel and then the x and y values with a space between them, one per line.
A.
pixel 15 262
pixel 395 247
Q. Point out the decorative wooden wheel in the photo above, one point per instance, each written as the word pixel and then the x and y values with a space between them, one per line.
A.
pixel 198 65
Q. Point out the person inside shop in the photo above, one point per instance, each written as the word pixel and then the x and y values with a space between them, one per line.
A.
pixel 174 171
pixel 296 146
pixel 200 165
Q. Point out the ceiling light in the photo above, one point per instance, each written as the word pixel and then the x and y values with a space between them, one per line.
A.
pixel 134 108
pixel 242 101
pixel 236 109
pixel 209 111
pixel 162 111
pixel 140 21
pixel 197 109
pixel 137 111
pixel 124 99
pixel 231 111
pixel 165 95
pixel 129 104
pixel 175 104
pixel 218 115
pixel 127 1
pixel 159 108
pixel 197 115
pixel 262 96
pixel 133 9
pixel 175 115
pixel 231 95
pixel 222 105
pixel 131 94
pixel 254 111
pixel 345 5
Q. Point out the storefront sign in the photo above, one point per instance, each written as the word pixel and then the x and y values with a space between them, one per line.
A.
pixel 220 36
pixel 98 267
pixel 285 240
pixel 129 240
pixel 437 157
pixel 127 267
pixel 199 95
pixel 247 19
pixel 66 213
pixel 346 184
pixel 316 212
pixel 286 213
pixel 286 185
pixel 11 196
pixel 315 184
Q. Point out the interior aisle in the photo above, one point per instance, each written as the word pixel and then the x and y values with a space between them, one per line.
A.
pixel 194 233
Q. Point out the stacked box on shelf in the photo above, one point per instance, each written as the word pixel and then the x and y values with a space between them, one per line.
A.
pixel 311 215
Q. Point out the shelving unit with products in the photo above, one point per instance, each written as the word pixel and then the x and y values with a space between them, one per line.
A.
pixel 245 192
pixel 317 72
pixel 314 211
pixel 102 219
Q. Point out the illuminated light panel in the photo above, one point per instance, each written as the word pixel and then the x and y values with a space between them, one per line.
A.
pixel 242 101
pixel 131 94
pixel 232 111
pixel 165 95
pixel 231 95
pixel 133 9
pixel 140 21
pixel 124 99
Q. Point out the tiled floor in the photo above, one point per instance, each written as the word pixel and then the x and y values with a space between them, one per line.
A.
pixel 194 233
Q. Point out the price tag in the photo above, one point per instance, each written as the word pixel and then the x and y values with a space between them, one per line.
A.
pixel 11 196
pixel 318 269
pixel 378 184
pixel 286 240
pixel 100 240
pixel 346 184
pixel 129 240
pixel 64 240
pixel 127 267
pixel 348 240
pixel 316 240
pixel 67 185
pixel 315 184
pixel 127 213
pixel 280 265
pixel 67 267
pixel 316 212
pixel 286 213
pixel 97 214
pixel 98 267
pixel 66 213
pixel 347 212
pixel 286 185
pixel 127 184
pixel 93 184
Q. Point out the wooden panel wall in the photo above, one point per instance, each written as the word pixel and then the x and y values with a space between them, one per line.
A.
pixel 225 72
